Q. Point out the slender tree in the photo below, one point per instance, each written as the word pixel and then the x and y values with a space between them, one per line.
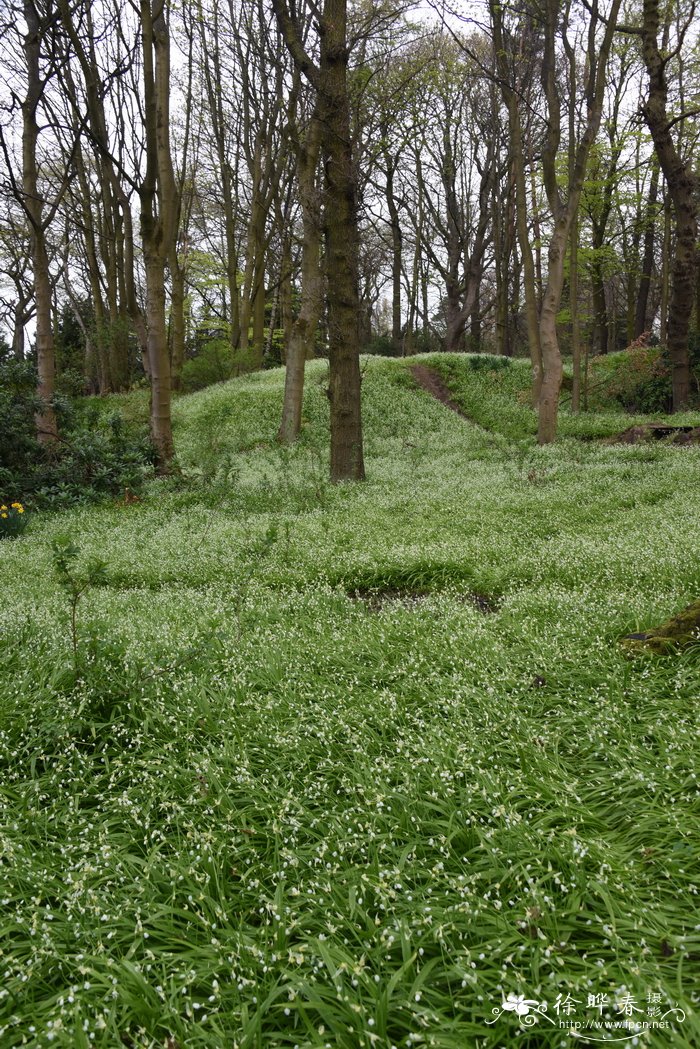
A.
pixel 564 202
pixel 682 185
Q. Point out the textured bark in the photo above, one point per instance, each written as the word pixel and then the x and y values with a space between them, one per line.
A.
pixel 552 369
pixel 45 418
pixel 511 99
pixel 396 248
pixel 601 328
pixel 341 239
pixel 564 208
pixel 303 332
pixel 463 289
pixel 683 190
pixel 641 320
pixel 158 216
pixel 330 81
pixel 176 328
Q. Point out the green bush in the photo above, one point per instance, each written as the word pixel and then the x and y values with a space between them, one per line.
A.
pixel 480 362
pixel 213 363
pixel 19 448
pixel 639 379
pixel 92 464
pixel 380 346
pixel 96 455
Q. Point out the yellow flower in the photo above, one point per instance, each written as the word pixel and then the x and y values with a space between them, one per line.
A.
pixel 17 506
pixel 20 509
pixel 3 507
pixel 3 515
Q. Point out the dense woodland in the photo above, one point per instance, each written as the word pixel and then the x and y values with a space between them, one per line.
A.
pixel 196 191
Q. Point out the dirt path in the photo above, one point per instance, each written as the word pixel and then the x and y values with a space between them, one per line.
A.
pixel 435 386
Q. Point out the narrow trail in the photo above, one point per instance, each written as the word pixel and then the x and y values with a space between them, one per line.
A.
pixel 434 384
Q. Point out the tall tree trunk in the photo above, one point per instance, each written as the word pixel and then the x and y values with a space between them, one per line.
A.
pixel 341 237
pixel 511 99
pixel 683 189
pixel 156 194
pixel 641 321
pixel 45 417
pixel 330 80
pixel 601 329
pixel 176 327
pixel 564 209
pixel 303 333
pixel 575 326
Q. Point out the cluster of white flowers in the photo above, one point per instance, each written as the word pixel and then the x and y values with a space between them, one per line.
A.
pixel 315 807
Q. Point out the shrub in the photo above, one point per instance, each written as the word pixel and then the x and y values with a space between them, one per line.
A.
pixel 213 363
pixel 19 448
pixel 92 464
pixel 95 456
pixel 381 346
pixel 641 380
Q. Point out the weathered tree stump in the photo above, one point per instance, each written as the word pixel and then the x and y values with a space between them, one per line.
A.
pixel 677 632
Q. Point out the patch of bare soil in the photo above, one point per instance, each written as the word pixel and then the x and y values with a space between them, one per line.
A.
pixel 376 599
pixel 434 384
pixel 658 432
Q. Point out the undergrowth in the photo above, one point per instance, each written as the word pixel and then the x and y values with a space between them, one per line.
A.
pixel 300 788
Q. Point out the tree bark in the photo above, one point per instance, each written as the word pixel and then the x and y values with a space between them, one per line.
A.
pixel 303 333
pixel 565 208
pixel 341 238
pixel 641 321
pixel 156 194
pixel 683 190
pixel 330 81
pixel 45 418
pixel 511 98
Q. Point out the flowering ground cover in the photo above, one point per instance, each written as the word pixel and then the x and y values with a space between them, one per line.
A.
pixel 358 766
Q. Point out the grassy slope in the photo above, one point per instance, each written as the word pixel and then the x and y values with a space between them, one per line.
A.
pixel 269 815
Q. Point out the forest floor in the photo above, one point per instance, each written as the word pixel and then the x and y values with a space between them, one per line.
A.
pixel 358 766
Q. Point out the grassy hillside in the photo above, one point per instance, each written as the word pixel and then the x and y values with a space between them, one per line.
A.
pixel 347 766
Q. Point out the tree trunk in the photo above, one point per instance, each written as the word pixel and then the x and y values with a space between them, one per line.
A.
pixel 641 321
pixel 575 327
pixel 303 333
pixel 156 194
pixel 552 369
pixel 45 418
pixel 565 209
pixel 340 227
pixel 341 236
pixel 683 188
pixel 396 250
pixel 530 273
pixel 601 331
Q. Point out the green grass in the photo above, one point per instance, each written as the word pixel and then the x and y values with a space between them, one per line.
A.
pixel 262 812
